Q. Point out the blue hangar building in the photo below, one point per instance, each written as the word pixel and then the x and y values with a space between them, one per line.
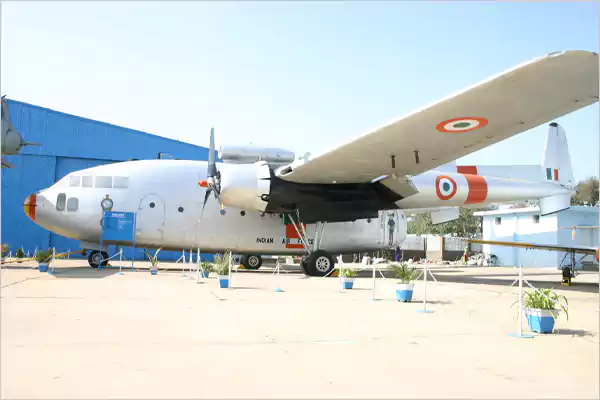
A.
pixel 69 143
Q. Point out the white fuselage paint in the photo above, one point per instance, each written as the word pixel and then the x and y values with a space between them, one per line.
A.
pixel 171 184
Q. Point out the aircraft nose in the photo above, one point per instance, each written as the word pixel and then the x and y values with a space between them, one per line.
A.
pixel 29 206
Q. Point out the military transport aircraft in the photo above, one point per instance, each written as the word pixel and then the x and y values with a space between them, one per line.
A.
pixel 12 141
pixel 273 204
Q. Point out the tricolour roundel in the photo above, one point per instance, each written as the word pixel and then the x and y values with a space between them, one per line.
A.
pixel 445 187
pixel 462 124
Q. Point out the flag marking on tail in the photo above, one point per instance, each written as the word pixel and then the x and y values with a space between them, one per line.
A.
pixel 478 188
pixel 549 174
pixel 461 124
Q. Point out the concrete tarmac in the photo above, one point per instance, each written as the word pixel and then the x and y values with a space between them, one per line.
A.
pixel 83 333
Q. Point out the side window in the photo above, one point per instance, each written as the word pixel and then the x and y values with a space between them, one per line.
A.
pixel 104 182
pixel 60 201
pixel 87 181
pixel 120 182
pixel 72 204
pixel 74 180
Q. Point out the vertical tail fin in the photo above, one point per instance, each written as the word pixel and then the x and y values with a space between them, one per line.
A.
pixel 556 163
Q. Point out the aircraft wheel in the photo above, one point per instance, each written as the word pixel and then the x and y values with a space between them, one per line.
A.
pixel 251 262
pixel 95 257
pixel 319 263
pixel 303 266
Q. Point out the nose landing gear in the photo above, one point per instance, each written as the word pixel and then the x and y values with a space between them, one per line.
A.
pixel 95 257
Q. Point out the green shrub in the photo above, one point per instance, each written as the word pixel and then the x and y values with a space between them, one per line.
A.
pixel 348 273
pixel 5 248
pixel 536 299
pixel 221 264
pixel 20 253
pixel 405 273
pixel 207 266
pixel 43 256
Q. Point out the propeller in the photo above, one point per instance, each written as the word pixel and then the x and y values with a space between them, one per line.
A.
pixel 213 177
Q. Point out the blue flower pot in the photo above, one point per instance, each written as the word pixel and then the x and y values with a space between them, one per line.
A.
pixel 153 272
pixel 43 267
pixel 224 281
pixel 204 274
pixel 404 291
pixel 541 321
pixel 348 283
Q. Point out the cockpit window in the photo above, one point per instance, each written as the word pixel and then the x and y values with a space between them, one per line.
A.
pixel 104 182
pixel 74 180
pixel 60 201
pixel 72 204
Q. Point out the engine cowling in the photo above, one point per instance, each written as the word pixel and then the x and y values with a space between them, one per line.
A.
pixel 250 154
pixel 246 186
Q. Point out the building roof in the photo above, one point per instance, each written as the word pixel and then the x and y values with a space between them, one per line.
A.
pixel 69 135
pixel 509 211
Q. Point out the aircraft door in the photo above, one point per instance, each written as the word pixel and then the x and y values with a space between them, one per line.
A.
pixel 150 221
pixel 393 227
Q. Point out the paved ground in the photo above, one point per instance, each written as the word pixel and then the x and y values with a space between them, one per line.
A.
pixel 83 333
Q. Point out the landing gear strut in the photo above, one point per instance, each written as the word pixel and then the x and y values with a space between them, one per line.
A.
pixel 317 262
pixel 95 257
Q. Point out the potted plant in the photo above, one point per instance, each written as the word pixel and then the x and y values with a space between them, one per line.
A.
pixel 43 258
pixel 406 274
pixel 541 309
pixel 348 276
pixel 153 261
pixel 221 267
pixel 206 269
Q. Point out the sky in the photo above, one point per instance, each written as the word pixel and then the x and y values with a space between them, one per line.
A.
pixel 303 76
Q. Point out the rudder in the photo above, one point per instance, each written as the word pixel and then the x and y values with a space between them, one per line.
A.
pixel 556 162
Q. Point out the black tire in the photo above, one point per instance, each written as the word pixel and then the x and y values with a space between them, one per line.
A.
pixel 319 263
pixel 95 256
pixel 303 266
pixel 252 262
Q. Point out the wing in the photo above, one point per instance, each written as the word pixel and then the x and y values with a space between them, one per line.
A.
pixel 519 99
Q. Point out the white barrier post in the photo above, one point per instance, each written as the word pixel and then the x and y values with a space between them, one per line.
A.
pixel 340 262
pixel 277 268
pixel 520 333
pixel 373 265
pixel 198 264
pixel 425 310
pixel 121 261
pixel 52 261
pixel 230 267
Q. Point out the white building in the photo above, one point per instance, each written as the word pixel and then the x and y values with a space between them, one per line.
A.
pixel 527 225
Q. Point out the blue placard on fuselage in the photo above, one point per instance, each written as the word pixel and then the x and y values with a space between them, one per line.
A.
pixel 119 226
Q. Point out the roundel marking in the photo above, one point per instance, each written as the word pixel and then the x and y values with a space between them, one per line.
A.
pixel 445 187
pixel 461 124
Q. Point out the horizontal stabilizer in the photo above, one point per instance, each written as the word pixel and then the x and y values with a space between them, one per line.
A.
pixel 554 204
pixel 445 215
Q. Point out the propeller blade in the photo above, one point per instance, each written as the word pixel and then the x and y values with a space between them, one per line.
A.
pixel 31 144
pixel 206 195
pixel 212 168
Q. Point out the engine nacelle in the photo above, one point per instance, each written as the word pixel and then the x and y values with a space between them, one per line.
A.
pixel 246 186
pixel 249 154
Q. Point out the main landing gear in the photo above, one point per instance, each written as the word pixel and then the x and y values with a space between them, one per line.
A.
pixel 251 262
pixel 95 257
pixel 317 262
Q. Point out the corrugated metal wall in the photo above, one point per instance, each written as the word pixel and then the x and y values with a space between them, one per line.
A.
pixel 70 143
